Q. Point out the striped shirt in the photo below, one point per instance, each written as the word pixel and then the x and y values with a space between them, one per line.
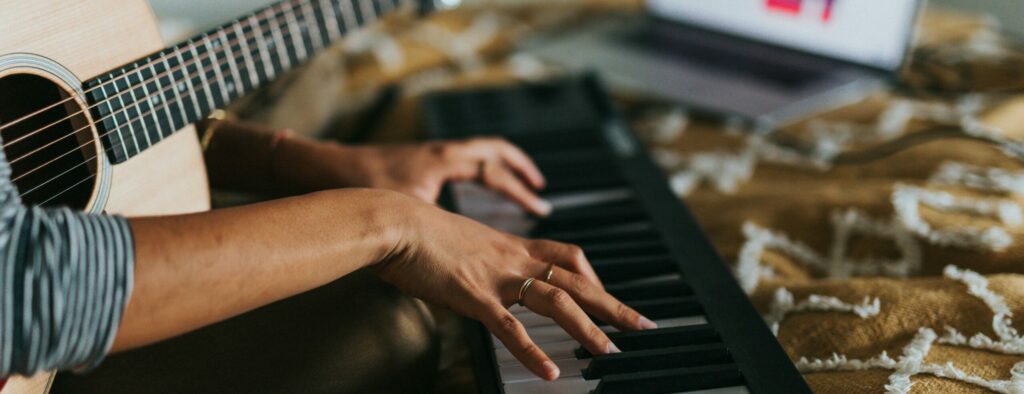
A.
pixel 65 278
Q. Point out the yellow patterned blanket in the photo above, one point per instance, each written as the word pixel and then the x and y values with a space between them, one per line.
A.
pixel 882 241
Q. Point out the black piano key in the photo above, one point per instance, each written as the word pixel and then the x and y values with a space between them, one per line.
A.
pixel 619 270
pixel 557 158
pixel 582 183
pixel 587 237
pixel 575 165
pixel 659 338
pixel 646 291
pixel 665 308
pixel 590 217
pixel 539 144
pixel 656 359
pixel 672 380
pixel 625 248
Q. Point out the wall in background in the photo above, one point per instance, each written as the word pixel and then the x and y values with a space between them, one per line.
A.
pixel 182 18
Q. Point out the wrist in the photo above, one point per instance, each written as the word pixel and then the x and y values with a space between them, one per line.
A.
pixel 387 220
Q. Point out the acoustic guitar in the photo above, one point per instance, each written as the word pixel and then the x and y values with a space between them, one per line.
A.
pixel 97 114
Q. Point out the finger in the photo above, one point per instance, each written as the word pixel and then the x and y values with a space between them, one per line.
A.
pixel 599 303
pixel 521 163
pixel 510 331
pixel 567 256
pixel 498 177
pixel 550 301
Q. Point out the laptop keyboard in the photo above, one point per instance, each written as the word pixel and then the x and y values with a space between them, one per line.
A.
pixel 680 44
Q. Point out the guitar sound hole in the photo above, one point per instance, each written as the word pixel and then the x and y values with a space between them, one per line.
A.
pixel 51 153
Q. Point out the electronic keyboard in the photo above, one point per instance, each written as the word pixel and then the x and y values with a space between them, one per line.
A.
pixel 613 201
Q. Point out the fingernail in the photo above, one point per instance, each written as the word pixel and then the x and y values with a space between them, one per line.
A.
pixel 613 349
pixel 647 324
pixel 550 370
pixel 544 208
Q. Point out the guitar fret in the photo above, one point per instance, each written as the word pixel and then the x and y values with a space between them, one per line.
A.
pixel 369 15
pixel 282 48
pixel 293 27
pixel 332 22
pixel 313 25
pixel 141 118
pixel 188 83
pixel 202 77
pixel 217 73
pixel 261 46
pixel 254 77
pixel 159 98
pixel 127 116
pixel 232 86
pixel 177 94
pixel 349 14
pixel 113 115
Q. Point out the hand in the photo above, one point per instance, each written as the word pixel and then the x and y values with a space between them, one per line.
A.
pixel 455 262
pixel 420 170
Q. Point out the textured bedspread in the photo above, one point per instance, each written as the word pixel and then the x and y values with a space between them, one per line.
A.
pixel 884 241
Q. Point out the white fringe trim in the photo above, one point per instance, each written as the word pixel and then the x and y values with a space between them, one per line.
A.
pixel 748 267
pixel 850 222
pixel 836 264
pixel 911 362
pixel 906 201
pixel 783 305
pixel 666 126
pixel 991 179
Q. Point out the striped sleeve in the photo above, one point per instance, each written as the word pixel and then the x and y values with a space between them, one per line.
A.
pixel 65 278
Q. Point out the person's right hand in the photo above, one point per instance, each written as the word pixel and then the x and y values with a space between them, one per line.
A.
pixel 455 262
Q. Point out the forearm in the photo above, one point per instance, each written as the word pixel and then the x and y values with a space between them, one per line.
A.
pixel 249 157
pixel 195 270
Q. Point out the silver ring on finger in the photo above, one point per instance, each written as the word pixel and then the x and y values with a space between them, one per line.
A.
pixel 523 289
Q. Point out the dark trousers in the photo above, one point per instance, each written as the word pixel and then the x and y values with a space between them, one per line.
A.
pixel 356 335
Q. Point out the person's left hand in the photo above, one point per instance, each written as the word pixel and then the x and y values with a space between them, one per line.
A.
pixel 420 170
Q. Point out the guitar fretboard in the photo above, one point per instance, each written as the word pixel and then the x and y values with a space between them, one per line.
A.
pixel 142 103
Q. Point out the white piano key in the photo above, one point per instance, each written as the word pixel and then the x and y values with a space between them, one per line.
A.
pixel 496 210
pixel 576 200
pixel 513 373
pixel 556 350
pixel 723 390
pixel 652 279
pixel 578 385
pixel 532 319
pixel 516 309
pixel 555 333
pixel 491 208
pixel 567 385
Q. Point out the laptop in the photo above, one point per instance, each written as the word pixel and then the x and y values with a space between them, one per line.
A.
pixel 765 61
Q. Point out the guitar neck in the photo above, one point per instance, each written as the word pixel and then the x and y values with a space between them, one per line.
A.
pixel 144 102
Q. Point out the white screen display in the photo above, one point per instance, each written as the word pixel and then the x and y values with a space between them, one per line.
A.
pixel 869 32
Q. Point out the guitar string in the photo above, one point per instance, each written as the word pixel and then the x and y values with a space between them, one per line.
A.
pixel 164 90
pixel 389 4
pixel 121 78
pixel 152 110
pixel 105 150
pixel 160 92
pixel 124 110
pixel 126 77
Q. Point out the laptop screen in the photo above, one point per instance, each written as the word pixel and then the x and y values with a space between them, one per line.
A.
pixel 874 33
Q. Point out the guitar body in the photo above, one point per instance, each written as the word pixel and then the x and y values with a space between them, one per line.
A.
pixel 168 178
pixel 88 38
